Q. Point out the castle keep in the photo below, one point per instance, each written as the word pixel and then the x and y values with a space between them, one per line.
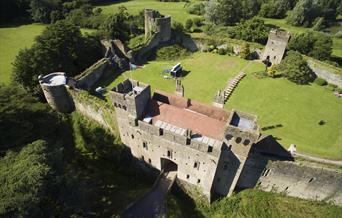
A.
pixel 207 146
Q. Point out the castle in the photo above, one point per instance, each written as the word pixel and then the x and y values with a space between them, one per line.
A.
pixel 207 146
pixel 214 150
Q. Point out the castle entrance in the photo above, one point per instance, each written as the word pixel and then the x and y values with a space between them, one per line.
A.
pixel 168 165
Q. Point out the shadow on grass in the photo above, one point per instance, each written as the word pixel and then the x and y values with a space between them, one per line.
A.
pixel 181 205
pixel 109 2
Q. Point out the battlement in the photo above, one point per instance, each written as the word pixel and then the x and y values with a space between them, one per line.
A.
pixel 131 96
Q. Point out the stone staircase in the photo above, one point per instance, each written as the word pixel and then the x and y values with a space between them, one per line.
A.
pixel 231 85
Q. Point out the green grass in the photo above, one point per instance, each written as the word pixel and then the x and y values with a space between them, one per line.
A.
pixel 275 101
pixel 282 24
pixel 337 47
pixel 12 39
pixel 177 10
pixel 253 203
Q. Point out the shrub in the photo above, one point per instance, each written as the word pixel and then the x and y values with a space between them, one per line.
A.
pixel 320 81
pixel 172 52
pixel 295 69
pixel 211 48
pixel 253 30
pixel 230 49
pixel 339 90
pixel 271 71
pixel 197 9
pixel 178 26
pixel 244 51
pixel 188 24
pixel 332 87
pixel 222 51
pixel 198 22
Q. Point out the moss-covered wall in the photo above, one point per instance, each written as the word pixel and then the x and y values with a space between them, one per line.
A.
pixel 96 109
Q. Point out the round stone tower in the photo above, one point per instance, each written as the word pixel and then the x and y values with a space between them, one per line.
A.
pixel 55 92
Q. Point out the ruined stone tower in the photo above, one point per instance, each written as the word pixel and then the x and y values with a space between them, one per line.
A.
pixel 276 46
pixel 155 23
pixel 55 92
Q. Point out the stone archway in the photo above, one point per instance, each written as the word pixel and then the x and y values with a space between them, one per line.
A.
pixel 168 165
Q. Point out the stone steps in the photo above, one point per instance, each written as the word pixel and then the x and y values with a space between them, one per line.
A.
pixel 231 85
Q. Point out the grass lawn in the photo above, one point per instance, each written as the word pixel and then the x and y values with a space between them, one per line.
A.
pixel 337 47
pixel 176 9
pixel 12 39
pixel 275 101
pixel 252 203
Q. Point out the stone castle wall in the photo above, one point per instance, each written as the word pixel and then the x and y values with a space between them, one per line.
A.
pixel 150 144
pixel 94 73
pixel 325 74
pixel 297 179
pixel 99 112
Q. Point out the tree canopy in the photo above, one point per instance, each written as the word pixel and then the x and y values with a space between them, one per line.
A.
pixel 314 44
pixel 24 180
pixel 295 69
pixel 60 48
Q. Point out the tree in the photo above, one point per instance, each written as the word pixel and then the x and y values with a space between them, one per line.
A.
pixel 314 44
pixel 230 11
pixel 303 13
pixel 244 51
pixel 61 47
pixel 188 24
pixel 250 8
pixel 116 26
pixel 295 69
pixel 212 12
pixel 276 8
pixel 23 119
pixel 24 180
pixel 253 30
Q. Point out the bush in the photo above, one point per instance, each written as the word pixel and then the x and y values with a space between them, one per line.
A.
pixel 332 87
pixel 295 69
pixel 198 22
pixel 222 51
pixel 253 30
pixel 178 26
pixel 188 24
pixel 172 52
pixel 197 9
pixel 320 81
pixel 339 90
pixel 244 51
pixel 211 48
pixel 272 71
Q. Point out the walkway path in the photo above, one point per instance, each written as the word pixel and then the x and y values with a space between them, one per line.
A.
pixel 317 159
pixel 153 204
